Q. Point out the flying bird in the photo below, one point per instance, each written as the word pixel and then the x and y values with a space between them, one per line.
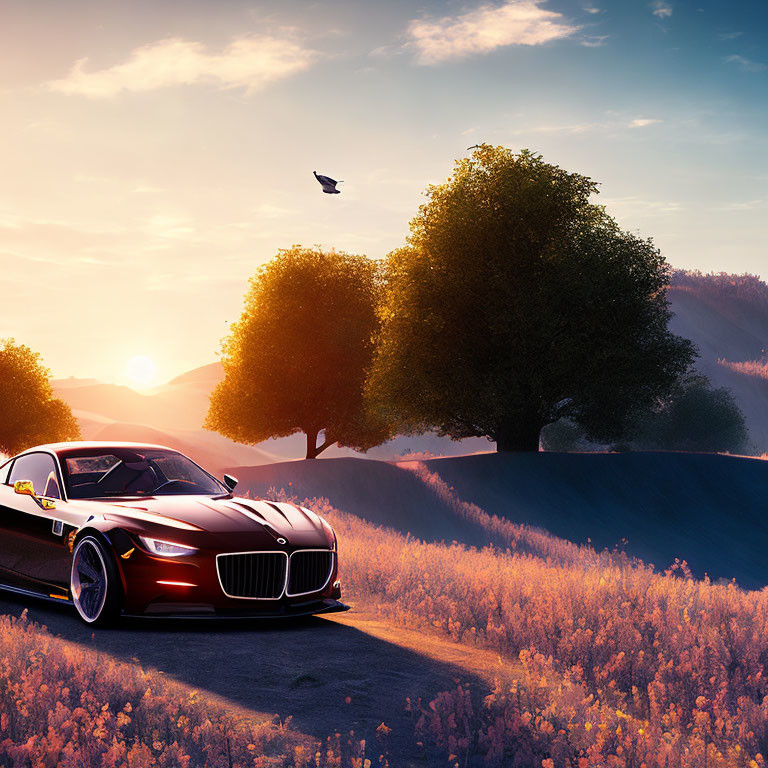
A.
pixel 328 184
pixel 474 146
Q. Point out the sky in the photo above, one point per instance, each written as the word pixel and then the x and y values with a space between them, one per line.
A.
pixel 154 153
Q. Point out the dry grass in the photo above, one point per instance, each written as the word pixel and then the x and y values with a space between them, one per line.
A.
pixel 65 706
pixel 757 368
pixel 613 663
pixel 608 664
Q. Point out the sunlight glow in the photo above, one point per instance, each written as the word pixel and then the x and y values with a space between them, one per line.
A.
pixel 140 371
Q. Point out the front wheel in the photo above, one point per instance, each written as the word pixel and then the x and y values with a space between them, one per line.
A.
pixel 94 583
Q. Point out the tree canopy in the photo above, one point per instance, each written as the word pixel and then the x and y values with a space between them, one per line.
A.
pixel 30 414
pixel 297 359
pixel 694 416
pixel 516 301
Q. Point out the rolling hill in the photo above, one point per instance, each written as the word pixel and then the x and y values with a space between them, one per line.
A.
pixel 706 509
pixel 727 318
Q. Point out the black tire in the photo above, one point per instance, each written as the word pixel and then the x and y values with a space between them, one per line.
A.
pixel 94 583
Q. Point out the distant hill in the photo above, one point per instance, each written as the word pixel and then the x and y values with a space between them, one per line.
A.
pixel 726 316
pixel 173 414
pixel 208 449
pixel 180 404
pixel 706 509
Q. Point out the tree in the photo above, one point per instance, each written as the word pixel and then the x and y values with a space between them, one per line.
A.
pixel 297 359
pixel 516 302
pixel 30 414
pixel 693 417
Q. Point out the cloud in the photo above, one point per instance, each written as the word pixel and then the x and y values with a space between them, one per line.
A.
pixel 729 35
pixel 642 122
pixel 745 64
pixel 595 41
pixel 611 126
pixel 746 205
pixel 631 206
pixel 661 9
pixel 515 22
pixel 593 9
pixel 247 62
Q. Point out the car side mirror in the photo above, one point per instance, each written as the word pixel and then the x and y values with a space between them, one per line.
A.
pixel 230 482
pixel 27 488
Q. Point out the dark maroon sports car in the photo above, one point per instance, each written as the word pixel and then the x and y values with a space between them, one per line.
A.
pixel 123 528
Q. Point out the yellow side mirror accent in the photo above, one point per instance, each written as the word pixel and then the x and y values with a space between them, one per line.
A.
pixel 27 488
pixel 24 487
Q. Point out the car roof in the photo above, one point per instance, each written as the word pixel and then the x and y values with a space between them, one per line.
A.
pixel 86 445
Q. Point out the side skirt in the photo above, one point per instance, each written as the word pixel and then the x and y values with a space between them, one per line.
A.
pixel 51 598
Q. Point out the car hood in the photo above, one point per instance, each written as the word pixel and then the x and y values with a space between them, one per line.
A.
pixel 231 515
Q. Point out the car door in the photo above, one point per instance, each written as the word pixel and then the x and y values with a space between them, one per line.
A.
pixel 33 540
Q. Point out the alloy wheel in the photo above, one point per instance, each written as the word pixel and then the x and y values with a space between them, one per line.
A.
pixel 89 580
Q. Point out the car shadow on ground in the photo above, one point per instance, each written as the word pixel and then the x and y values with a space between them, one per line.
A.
pixel 326 675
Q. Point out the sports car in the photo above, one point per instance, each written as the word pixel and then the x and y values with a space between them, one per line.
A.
pixel 131 529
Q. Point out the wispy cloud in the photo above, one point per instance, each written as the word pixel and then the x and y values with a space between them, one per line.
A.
pixel 729 35
pixel 593 9
pixel 631 206
pixel 745 64
pixel 594 41
pixel 661 9
pixel 484 29
pixel 746 205
pixel 606 126
pixel 247 62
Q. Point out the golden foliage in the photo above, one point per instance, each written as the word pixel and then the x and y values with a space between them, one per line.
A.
pixel 296 360
pixel 30 414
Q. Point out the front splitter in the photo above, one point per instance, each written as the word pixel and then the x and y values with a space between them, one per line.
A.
pixel 283 612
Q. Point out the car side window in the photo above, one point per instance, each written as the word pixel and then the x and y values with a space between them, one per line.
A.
pixel 4 472
pixel 41 470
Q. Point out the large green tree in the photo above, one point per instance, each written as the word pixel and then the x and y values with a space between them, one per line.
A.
pixel 29 413
pixel 517 301
pixel 297 359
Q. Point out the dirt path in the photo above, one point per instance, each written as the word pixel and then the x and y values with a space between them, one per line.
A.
pixel 346 672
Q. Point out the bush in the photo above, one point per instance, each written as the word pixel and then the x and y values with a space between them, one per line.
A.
pixel 695 417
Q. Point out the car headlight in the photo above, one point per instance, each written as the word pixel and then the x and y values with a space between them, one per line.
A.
pixel 166 548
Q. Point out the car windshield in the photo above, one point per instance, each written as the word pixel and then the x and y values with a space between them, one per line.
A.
pixel 140 472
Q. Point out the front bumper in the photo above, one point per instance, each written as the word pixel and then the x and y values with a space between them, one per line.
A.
pixel 287 611
pixel 190 587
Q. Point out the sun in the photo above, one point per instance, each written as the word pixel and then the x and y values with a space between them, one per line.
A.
pixel 140 371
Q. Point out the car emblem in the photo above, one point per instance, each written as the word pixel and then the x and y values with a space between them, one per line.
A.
pixel 281 540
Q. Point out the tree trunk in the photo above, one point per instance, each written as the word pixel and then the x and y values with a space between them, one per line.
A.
pixel 312 443
pixel 313 449
pixel 519 436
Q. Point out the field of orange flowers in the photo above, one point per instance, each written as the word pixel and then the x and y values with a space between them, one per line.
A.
pixel 757 368
pixel 65 706
pixel 612 664
pixel 607 663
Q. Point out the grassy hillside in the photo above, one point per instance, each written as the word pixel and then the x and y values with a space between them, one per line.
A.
pixel 598 660
pixel 708 510
pixel 610 663
pixel 727 317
